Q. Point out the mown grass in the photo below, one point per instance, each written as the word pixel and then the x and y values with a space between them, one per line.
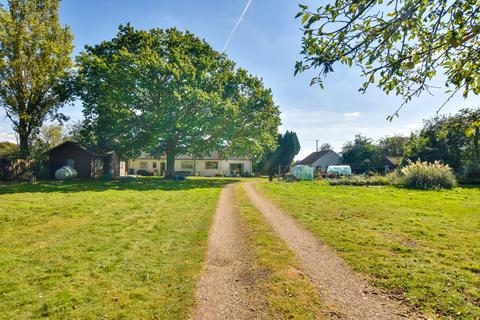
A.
pixel 424 245
pixel 289 292
pixel 103 249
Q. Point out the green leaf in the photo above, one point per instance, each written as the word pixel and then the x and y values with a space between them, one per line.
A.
pixel 305 17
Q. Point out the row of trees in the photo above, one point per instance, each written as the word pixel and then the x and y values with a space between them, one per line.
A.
pixel 159 91
pixel 451 139
pixel 363 154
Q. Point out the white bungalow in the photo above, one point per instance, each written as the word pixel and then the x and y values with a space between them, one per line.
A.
pixel 209 166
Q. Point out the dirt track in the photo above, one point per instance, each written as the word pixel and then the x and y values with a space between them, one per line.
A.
pixel 345 294
pixel 227 287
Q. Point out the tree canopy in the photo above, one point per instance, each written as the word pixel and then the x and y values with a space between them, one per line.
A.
pixel 362 154
pixel 168 92
pixel 398 45
pixel 393 145
pixel 8 149
pixel 443 138
pixel 35 60
pixel 325 147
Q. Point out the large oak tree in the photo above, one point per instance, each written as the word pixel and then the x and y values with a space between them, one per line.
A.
pixel 35 59
pixel 168 92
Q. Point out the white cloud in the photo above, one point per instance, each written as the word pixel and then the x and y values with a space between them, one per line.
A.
pixel 351 115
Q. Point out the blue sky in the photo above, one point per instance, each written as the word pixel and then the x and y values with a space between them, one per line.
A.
pixel 267 43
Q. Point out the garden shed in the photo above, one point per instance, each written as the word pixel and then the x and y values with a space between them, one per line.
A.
pixel 90 162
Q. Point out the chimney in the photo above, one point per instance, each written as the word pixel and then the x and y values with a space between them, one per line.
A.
pixel 317 144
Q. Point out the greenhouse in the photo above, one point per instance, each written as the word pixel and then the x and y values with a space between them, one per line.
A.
pixel 340 170
pixel 302 172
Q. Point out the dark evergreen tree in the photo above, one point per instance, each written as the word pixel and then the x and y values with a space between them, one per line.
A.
pixel 281 158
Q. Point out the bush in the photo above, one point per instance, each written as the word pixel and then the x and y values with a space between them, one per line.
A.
pixel 361 181
pixel 471 172
pixel 142 172
pixel 425 175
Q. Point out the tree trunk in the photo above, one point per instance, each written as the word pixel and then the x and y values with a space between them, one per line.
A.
pixel 24 143
pixel 271 173
pixel 169 172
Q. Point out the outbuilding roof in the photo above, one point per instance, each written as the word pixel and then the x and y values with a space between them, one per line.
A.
pixel 91 149
pixel 394 160
pixel 314 156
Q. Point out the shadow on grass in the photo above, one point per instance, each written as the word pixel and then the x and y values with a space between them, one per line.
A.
pixel 140 184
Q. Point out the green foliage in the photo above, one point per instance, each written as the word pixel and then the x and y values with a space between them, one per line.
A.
pixel 444 138
pixel 166 91
pixel 8 150
pixel 393 145
pixel 35 61
pixel 47 137
pixel 471 172
pixel 361 154
pixel 325 147
pixel 145 173
pixel 399 46
pixel 426 175
pixel 375 180
pixel 288 147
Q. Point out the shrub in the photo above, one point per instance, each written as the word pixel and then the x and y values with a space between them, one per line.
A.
pixel 142 172
pixel 394 177
pixel 425 175
pixel 471 172
pixel 361 181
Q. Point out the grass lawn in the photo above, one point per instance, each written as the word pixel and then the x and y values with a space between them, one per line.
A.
pixel 103 249
pixel 424 245
pixel 289 293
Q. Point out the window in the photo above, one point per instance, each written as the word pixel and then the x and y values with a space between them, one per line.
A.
pixel 144 165
pixel 211 164
pixel 187 164
pixel 71 163
pixel 154 165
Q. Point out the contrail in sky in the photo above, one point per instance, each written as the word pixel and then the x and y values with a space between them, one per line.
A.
pixel 236 25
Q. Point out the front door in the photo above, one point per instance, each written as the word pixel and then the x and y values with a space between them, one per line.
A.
pixel 162 168
pixel 236 169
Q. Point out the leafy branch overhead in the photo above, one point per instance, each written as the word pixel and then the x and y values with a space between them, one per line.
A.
pixel 399 45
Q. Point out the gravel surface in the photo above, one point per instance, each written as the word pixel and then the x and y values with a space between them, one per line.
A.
pixel 345 294
pixel 226 289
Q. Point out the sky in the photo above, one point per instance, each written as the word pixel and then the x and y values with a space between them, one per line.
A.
pixel 266 41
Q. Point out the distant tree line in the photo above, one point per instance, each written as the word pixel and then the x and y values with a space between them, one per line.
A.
pixel 364 154
pixel 451 139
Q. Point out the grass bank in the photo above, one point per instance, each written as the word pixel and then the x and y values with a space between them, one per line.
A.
pixel 289 292
pixel 103 249
pixel 423 245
